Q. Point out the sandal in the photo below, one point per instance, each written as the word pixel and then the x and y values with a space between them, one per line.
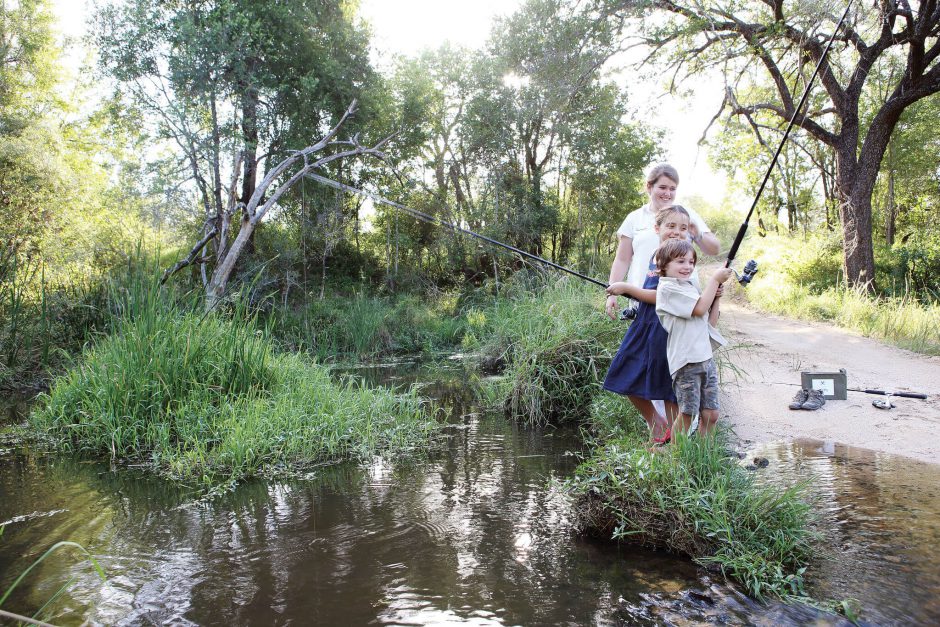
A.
pixel 665 438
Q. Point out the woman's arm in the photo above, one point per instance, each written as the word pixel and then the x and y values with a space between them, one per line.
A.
pixel 707 242
pixel 618 270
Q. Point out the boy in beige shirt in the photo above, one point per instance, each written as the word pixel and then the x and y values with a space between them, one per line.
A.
pixel 689 318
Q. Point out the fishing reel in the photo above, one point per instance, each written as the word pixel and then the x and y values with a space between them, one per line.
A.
pixel 628 313
pixel 750 269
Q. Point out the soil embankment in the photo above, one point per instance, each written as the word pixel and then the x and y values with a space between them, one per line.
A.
pixel 768 354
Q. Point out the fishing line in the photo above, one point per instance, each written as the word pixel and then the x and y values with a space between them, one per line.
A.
pixel 425 217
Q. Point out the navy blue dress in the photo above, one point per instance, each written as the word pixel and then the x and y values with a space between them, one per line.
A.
pixel 640 367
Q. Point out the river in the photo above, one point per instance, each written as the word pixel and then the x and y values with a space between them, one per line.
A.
pixel 474 536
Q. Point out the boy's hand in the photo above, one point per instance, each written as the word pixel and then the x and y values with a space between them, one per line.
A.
pixel 720 291
pixel 618 288
pixel 722 275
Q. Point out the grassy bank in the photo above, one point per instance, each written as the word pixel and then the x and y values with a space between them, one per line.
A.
pixel 803 279
pixel 206 398
pixel 555 342
pixel 692 497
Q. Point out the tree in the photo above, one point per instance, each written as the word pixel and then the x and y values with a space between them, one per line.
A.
pixel 267 193
pixel 781 41
pixel 233 86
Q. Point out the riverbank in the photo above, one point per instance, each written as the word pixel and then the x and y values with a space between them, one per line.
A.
pixel 769 352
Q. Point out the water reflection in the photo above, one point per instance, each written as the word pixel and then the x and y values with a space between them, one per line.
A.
pixel 474 536
pixel 881 516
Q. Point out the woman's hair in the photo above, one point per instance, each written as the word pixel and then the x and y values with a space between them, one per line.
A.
pixel 665 212
pixel 661 169
pixel 673 249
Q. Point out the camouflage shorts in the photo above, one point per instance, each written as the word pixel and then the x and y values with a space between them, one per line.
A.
pixel 696 387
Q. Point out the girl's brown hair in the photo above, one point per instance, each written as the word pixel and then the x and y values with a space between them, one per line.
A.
pixel 673 249
pixel 665 212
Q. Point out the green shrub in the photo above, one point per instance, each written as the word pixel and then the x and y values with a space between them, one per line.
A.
pixel 556 341
pixel 368 327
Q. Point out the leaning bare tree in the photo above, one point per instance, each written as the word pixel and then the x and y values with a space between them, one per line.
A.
pixel 266 195
pixel 782 41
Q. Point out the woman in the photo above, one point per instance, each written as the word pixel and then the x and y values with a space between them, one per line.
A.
pixel 638 241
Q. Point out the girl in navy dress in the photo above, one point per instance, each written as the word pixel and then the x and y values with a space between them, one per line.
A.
pixel 640 370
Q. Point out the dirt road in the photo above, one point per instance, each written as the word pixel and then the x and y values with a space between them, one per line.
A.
pixel 769 352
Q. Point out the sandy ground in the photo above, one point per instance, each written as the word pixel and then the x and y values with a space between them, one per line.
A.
pixel 769 352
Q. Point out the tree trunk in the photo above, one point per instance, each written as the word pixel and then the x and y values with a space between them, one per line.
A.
pixel 249 104
pixel 855 213
pixel 219 281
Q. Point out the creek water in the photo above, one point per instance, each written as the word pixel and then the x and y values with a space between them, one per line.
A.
pixel 476 535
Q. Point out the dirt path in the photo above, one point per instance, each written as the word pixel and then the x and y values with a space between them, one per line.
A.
pixel 770 352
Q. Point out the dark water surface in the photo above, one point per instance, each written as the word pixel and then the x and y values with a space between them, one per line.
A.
pixel 474 536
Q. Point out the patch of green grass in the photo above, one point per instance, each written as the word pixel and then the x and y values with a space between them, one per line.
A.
pixel 556 342
pixel 802 280
pixel 692 497
pixel 206 398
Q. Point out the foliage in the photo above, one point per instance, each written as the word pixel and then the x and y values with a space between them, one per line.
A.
pixel 882 64
pixel 206 398
pixel 801 278
pixel 556 343
pixel 693 497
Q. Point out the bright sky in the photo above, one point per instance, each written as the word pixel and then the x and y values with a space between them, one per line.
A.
pixel 409 26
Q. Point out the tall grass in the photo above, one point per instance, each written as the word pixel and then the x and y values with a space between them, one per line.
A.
pixel 693 497
pixel 556 342
pixel 803 280
pixel 368 327
pixel 206 398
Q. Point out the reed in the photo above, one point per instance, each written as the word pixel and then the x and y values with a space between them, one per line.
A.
pixel 205 398
pixel 41 613
pixel 361 327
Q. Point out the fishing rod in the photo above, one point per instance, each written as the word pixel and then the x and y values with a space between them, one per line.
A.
pixel 751 267
pixel 916 395
pixel 426 217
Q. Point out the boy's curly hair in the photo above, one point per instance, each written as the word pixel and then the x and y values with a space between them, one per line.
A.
pixel 673 249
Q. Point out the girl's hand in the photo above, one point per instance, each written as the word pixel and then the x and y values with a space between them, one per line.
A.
pixel 611 307
pixel 694 234
pixel 617 289
pixel 720 291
